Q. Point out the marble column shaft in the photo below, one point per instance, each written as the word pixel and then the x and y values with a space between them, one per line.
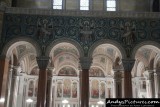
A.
pixel 49 86
pixel 128 65
pixel 14 86
pixel 117 82
pixel 157 84
pixel 149 74
pixel 84 81
pixel 42 81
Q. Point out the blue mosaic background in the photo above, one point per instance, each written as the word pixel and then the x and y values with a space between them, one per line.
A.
pixel 84 30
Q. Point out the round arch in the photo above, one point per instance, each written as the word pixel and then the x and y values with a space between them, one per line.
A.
pixel 107 41
pixel 157 59
pixel 138 46
pixel 19 41
pixel 71 41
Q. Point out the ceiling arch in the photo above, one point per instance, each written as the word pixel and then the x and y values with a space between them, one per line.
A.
pixel 64 42
pixel 146 54
pixel 109 43
pixel 7 49
pixel 147 44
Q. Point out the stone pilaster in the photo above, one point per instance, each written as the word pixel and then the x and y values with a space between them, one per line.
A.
pixel 149 75
pixel 49 86
pixel 8 94
pixel 14 86
pixel 137 86
pixel 4 65
pixel 157 83
pixel 21 86
pixel 117 84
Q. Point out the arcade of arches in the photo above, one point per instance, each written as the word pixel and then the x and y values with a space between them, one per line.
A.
pixel 76 58
pixel 66 76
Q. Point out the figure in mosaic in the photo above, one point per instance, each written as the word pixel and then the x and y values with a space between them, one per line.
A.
pixel 86 33
pixel 44 30
pixel 128 35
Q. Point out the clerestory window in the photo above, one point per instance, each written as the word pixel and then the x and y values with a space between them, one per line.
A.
pixel 57 4
pixel 84 4
pixel 111 5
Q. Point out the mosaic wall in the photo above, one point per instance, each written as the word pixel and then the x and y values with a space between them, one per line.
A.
pixel 85 30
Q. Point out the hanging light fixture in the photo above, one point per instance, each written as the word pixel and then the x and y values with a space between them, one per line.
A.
pixel 65 101
pixel 2 100
pixel 100 102
pixel 29 100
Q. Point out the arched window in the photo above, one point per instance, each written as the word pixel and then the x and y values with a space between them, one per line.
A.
pixel 111 5
pixel 84 4
pixel 57 4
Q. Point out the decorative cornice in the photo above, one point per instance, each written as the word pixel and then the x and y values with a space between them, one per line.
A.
pixel 127 14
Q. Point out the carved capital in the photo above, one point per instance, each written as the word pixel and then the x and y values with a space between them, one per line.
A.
pixel 85 62
pixel 51 71
pixel 42 62
pixel 149 74
pixel 17 70
pixel 11 68
pixel 128 64
pixel 157 71
pixel 117 74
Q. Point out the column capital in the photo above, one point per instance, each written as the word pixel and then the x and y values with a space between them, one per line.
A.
pixel 117 74
pixel 128 64
pixel 157 71
pixel 149 74
pixel 117 70
pixel 42 62
pixel 85 62
pixel 17 70
pixel 11 68
pixel 51 71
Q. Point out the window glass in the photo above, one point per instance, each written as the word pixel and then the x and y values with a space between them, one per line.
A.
pixel 111 5
pixel 84 4
pixel 57 4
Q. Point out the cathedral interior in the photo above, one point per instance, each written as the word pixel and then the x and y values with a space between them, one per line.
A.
pixel 77 53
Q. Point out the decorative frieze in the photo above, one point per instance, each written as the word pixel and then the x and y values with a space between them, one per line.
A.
pixel 84 27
